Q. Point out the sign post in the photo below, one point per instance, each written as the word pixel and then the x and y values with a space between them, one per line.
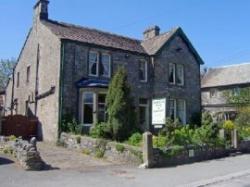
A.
pixel 159 112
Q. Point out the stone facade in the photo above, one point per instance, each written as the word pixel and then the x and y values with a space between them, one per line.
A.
pixel 55 63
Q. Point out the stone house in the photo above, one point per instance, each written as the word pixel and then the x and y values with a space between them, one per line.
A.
pixel 220 81
pixel 66 69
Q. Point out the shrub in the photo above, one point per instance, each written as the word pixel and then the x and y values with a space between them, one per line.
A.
pixel 243 118
pixel 120 148
pixel 244 133
pixel 78 139
pixel 173 151
pixel 228 125
pixel 69 124
pixel 183 136
pixel 101 130
pixel 121 115
pixel 135 139
pixel 159 141
pixel 169 127
pixel 12 138
pixel 99 153
pixel 206 118
pixel 86 151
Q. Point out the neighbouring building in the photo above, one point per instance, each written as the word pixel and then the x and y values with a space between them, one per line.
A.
pixel 219 82
pixel 66 69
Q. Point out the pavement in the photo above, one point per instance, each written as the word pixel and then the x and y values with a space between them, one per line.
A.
pixel 230 171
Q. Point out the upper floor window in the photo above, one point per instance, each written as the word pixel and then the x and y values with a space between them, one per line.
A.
pixel 180 74
pixel 213 93
pixel 18 80
pixel 28 74
pixel 143 70
pixel 105 65
pixel 176 74
pixel 93 63
pixel 171 73
pixel 236 91
pixel 99 66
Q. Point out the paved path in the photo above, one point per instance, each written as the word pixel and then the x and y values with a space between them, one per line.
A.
pixel 106 174
pixel 243 181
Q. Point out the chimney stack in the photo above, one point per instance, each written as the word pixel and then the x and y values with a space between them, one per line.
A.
pixel 151 32
pixel 41 10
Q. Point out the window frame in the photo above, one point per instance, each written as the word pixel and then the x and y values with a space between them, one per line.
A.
pixel 28 74
pixel 183 75
pixel 174 73
pixel 18 80
pixel 88 103
pixel 176 109
pixel 97 64
pixel 109 65
pixel 146 70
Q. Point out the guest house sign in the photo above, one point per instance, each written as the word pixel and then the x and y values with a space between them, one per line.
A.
pixel 158 111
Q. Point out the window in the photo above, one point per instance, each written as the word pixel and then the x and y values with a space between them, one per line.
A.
pixel 18 80
pixel 143 68
pixel 101 107
pixel 172 108
pixel 28 74
pixel 93 63
pixel 171 72
pixel 88 106
pixel 181 111
pixel 143 113
pixel 213 93
pixel 176 74
pixel 177 110
pixel 105 65
pixel 236 91
pixel 180 75
pixel 99 67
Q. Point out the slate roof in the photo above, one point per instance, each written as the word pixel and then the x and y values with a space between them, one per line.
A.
pixel 106 39
pixel 94 36
pixel 226 76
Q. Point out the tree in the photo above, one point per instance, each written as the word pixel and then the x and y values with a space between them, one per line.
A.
pixel 6 70
pixel 121 115
pixel 240 98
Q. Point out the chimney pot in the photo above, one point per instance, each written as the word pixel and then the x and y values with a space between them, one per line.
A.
pixel 151 32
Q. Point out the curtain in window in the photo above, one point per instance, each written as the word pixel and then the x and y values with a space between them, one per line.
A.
pixel 105 65
pixel 93 59
pixel 181 113
pixel 171 74
pixel 180 75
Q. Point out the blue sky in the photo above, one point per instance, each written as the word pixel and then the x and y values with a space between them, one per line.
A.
pixel 218 29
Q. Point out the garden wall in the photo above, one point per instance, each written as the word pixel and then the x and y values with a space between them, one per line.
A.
pixel 111 151
pixel 25 152
pixel 154 157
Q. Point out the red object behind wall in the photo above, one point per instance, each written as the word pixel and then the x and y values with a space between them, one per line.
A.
pixel 19 125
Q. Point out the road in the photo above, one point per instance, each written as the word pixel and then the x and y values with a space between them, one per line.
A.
pixel 11 175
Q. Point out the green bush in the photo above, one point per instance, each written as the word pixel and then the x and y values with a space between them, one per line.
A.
pixel 169 127
pixel 206 118
pixel 99 153
pixel 183 136
pixel 86 151
pixel 78 139
pixel 120 148
pixel 135 139
pixel 244 133
pixel 173 151
pixel 228 125
pixel 243 118
pixel 160 141
pixel 12 138
pixel 69 124
pixel 101 130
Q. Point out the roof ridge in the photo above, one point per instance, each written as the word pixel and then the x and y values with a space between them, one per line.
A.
pixel 93 29
pixel 231 65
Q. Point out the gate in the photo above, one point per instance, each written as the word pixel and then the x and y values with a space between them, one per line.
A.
pixel 19 125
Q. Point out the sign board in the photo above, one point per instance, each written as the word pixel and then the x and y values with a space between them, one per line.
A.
pixel 158 111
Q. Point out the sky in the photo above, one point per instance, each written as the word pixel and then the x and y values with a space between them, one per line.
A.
pixel 218 29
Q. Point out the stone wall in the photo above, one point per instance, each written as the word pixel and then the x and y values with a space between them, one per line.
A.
pixel 111 151
pixel 24 152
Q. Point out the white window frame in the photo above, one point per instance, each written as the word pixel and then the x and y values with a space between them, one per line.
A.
pixel 94 107
pixel 109 75
pixel 146 70
pixel 182 78
pixel 174 73
pixel 171 99
pixel 97 64
pixel 185 111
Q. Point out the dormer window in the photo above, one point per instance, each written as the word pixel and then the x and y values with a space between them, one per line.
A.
pixel 143 70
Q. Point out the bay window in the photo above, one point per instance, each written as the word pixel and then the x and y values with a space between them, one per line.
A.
pixel 88 108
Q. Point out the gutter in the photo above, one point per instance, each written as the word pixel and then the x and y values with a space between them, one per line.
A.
pixel 60 90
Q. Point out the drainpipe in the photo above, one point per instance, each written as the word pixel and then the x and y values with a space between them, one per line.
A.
pixel 60 90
